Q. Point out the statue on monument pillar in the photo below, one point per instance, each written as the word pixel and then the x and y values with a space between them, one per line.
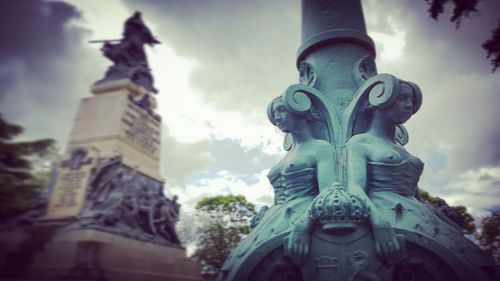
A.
pixel 128 55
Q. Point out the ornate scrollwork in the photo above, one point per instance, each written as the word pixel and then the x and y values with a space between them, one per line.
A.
pixel 384 91
pixel 296 102
pixel 307 75
pixel 122 201
pixel 365 68
pixel 401 135
pixel 337 209
pixel 287 142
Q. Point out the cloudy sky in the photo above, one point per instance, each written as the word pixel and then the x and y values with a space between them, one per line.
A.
pixel 222 61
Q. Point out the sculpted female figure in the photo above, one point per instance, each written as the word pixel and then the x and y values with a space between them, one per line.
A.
pixel 306 170
pixel 297 179
pixel 382 169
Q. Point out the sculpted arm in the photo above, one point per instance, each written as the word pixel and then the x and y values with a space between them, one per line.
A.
pixel 386 243
pixel 326 170
pixel 357 176
pixel 356 169
pixel 297 247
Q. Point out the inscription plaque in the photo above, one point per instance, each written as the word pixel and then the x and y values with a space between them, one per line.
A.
pixel 71 185
pixel 141 129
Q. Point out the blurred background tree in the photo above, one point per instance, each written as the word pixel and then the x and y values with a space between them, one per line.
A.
pixel 457 214
pixel 464 9
pixel 225 220
pixel 24 170
pixel 489 235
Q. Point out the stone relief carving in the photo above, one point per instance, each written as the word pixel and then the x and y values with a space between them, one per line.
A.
pixel 123 201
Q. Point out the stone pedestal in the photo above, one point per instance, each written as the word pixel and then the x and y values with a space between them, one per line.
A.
pixel 47 252
pixel 113 122
pixel 107 217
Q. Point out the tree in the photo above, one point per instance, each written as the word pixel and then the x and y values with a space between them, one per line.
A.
pixel 462 9
pixel 226 220
pixel 492 46
pixel 457 214
pixel 489 236
pixel 20 183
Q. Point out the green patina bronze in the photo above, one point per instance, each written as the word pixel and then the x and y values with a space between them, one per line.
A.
pixel 347 205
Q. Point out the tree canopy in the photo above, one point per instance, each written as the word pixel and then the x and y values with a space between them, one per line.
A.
pixel 19 182
pixel 463 9
pixel 457 214
pixel 226 220
pixel 489 236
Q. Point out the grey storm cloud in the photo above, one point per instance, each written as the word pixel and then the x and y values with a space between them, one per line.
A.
pixel 247 54
pixel 180 160
pixel 46 66
pixel 461 97
pixel 42 67
pixel 34 31
pixel 246 49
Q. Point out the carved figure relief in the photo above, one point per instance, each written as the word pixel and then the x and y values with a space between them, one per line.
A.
pixel 122 201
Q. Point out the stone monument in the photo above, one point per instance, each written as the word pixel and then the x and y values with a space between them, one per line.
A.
pixel 347 204
pixel 107 217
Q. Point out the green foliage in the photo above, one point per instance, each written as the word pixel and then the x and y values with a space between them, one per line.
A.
pixel 489 237
pixel 428 198
pixel 226 220
pixel 468 225
pixel 20 182
pixel 492 47
pixel 463 9
pixel 466 220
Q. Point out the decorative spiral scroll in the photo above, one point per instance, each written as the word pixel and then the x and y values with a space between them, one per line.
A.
pixel 288 142
pixel 296 102
pixel 384 91
pixel 401 135
pixel 299 99
pixel 381 91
